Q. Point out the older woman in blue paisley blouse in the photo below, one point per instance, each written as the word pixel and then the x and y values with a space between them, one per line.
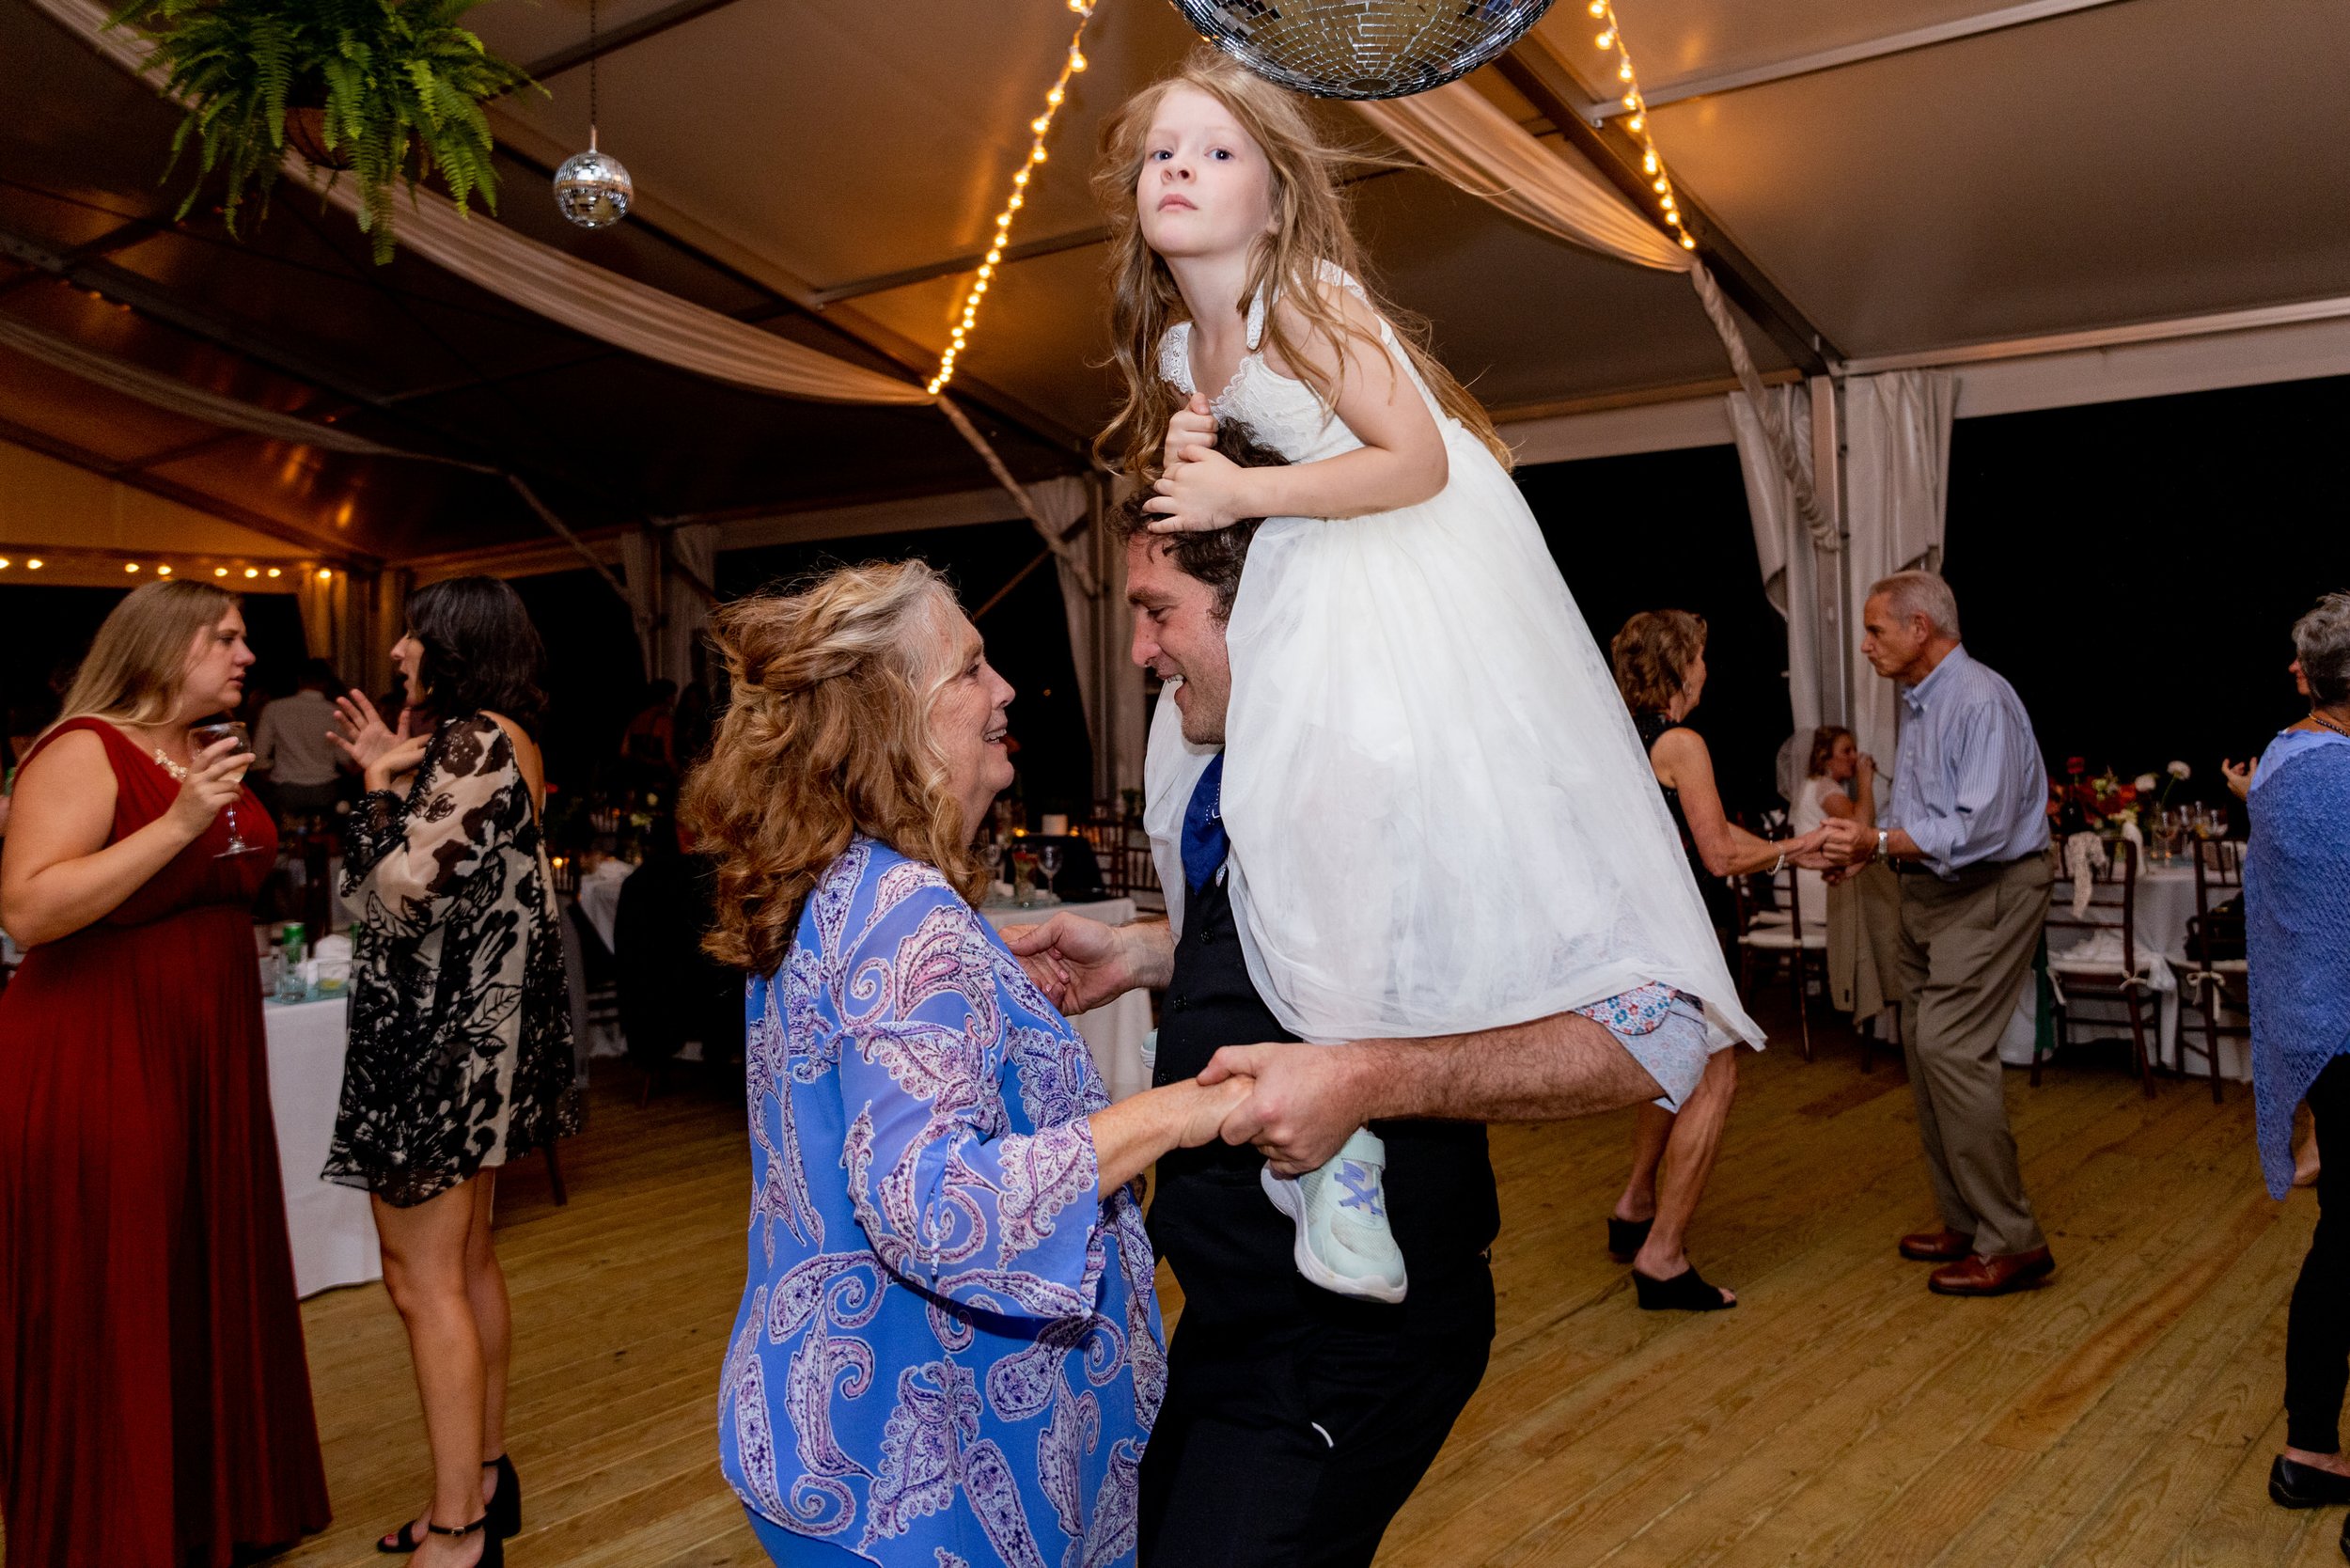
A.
pixel 949 1351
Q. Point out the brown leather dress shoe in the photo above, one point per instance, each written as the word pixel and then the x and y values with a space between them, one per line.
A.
pixel 1937 1246
pixel 1980 1275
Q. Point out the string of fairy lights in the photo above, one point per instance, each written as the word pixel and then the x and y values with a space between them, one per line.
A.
pixel 165 569
pixel 1610 40
pixel 1038 127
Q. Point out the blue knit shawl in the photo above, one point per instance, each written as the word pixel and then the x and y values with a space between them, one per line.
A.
pixel 2296 908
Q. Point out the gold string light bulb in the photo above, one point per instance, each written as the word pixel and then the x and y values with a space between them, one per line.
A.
pixel 1651 162
pixel 1038 127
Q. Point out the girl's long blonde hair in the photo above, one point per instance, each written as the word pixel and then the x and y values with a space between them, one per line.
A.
pixel 1309 227
pixel 138 661
pixel 827 734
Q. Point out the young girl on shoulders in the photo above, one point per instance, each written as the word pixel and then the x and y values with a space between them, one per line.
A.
pixel 1440 818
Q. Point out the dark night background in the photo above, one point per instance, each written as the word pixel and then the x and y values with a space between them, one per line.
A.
pixel 2134 568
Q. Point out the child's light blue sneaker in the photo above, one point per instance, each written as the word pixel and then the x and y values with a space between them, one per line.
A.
pixel 1345 1243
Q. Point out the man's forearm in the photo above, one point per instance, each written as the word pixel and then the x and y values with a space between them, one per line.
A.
pixel 1150 954
pixel 1561 1066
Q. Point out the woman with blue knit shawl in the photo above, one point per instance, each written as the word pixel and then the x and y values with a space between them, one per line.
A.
pixel 2296 907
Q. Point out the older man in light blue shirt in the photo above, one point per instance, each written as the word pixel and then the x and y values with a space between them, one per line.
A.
pixel 1967 829
pixel 1968 785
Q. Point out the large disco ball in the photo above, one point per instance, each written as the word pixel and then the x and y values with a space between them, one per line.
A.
pixel 592 189
pixel 1362 48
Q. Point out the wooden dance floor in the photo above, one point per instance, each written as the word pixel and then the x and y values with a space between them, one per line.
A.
pixel 2125 1415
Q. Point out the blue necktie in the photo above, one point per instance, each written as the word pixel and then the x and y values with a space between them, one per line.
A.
pixel 1205 843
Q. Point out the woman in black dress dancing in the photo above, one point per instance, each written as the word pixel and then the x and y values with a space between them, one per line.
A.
pixel 1659 660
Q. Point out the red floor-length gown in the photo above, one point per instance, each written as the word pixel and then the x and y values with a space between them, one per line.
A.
pixel 154 1396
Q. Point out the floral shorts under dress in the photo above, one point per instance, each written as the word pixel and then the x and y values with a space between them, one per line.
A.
pixel 1666 1032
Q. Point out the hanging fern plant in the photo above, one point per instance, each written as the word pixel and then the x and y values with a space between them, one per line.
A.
pixel 395 88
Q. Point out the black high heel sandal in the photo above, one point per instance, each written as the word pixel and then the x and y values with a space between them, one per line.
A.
pixel 504 1510
pixel 1625 1237
pixel 1685 1291
pixel 492 1549
pixel 506 1504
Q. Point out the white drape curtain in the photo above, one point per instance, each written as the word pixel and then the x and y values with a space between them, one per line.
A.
pixel 640 570
pixel 671 609
pixel 1059 505
pixel 1100 626
pixel 1460 136
pixel 1791 563
pixel 1463 138
pixel 694 549
pixel 334 611
pixel 1127 712
pixel 1897 477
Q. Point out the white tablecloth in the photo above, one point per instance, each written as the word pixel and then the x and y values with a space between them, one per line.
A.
pixel 600 898
pixel 2163 905
pixel 331 1227
pixel 1117 1034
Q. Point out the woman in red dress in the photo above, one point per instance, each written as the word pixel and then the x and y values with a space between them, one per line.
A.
pixel 154 1397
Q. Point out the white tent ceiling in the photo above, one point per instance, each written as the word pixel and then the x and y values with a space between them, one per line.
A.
pixel 2070 165
pixel 1898 181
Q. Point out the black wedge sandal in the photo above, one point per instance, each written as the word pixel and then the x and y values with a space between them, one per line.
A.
pixel 1685 1291
pixel 1625 1237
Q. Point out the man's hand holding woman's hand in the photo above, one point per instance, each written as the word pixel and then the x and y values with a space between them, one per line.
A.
pixel 1209 1106
pixel 1305 1100
pixel 1808 851
pixel 1845 845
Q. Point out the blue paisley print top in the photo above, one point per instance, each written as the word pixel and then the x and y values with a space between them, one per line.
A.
pixel 948 1352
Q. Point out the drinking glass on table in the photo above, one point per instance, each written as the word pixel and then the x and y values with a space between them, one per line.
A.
pixel 205 735
pixel 1048 857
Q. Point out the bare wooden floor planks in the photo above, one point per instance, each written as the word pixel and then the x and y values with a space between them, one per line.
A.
pixel 2124 1415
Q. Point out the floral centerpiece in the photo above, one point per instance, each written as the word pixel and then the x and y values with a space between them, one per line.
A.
pixel 2108 804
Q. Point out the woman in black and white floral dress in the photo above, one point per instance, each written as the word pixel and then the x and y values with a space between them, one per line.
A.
pixel 460 1047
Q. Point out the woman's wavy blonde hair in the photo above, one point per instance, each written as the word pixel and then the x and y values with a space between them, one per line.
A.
pixel 138 661
pixel 1652 654
pixel 827 734
pixel 1309 226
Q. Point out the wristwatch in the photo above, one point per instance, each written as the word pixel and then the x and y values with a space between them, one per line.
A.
pixel 1882 834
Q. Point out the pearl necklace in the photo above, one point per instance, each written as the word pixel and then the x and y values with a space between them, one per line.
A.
pixel 171 767
pixel 2334 724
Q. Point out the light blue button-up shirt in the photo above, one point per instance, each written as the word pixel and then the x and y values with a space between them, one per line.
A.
pixel 1968 784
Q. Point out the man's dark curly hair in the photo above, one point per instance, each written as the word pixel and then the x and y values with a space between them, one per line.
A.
pixel 1215 558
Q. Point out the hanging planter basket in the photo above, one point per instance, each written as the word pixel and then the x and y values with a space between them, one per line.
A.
pixel 306 133
pixel 383 91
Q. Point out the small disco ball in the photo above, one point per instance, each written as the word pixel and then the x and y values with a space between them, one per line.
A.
pixel 1362 48
pixel 592 189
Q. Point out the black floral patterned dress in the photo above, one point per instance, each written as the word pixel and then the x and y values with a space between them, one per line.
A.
pixel 461 1031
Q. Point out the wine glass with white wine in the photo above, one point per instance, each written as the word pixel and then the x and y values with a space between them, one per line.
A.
pixel 205 735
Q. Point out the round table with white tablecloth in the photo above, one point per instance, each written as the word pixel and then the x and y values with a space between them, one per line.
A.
pixel 1119 1033
pixel 2164 906
pixel 331 1227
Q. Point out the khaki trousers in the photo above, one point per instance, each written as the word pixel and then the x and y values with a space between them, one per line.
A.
pixel 1966 951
